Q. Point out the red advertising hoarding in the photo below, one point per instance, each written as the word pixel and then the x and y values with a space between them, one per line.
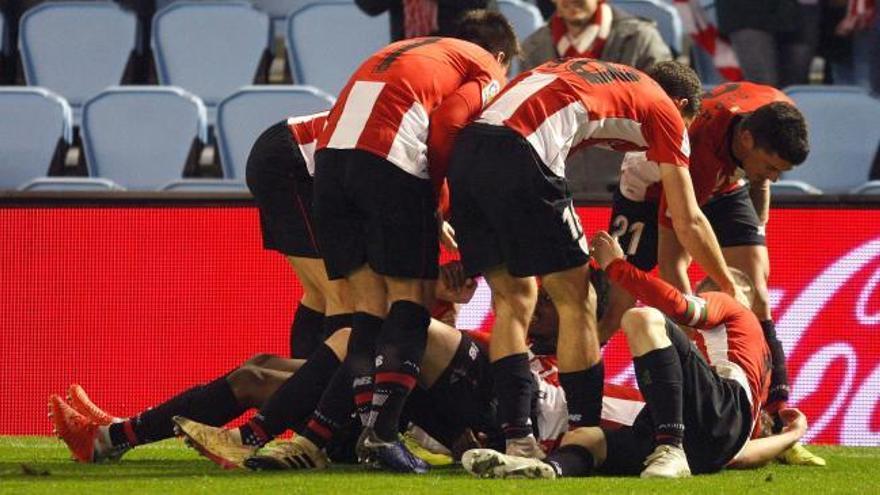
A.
pixel 138 302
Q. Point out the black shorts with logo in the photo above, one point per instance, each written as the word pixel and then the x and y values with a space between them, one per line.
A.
pixel 278 178
pixel 368 210
pixel 716 411
pixel 508 208
pixel 732 216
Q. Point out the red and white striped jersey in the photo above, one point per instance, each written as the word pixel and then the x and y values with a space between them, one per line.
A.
pixel 577 102
pixel 387 105
pixel 728 334
pixel 305 131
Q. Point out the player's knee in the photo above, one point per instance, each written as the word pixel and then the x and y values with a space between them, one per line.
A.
pixel 244 382
pixel 258 360
pixel 640 322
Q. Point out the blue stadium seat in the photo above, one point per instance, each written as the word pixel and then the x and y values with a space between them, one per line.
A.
pixel 76 48
pixel 244 115
pixel 278 11
pixel 871 187
pixel 209 48
pixel 665 15
pixel 844 127
pixel 35 128
pixel 524 17
pixel 70 184
pixel 140 137
pixel 793 188
pixel 327 41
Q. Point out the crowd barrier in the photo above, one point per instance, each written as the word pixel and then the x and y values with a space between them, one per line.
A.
pixel 137 299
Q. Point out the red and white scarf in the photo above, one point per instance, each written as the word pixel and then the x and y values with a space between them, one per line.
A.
pixel 419 17
pixel 587 44
pixel 705 35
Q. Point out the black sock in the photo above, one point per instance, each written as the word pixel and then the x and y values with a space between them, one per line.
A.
pixel 336 322
pixel 571 460
pixel 305 332
pixel 334 409
pixel 660 380
pixel 123 435
pixel 213 404
pixel 296 398
pixel 399 351
pixel 361 358
pixel 254 432
pixel 513 387
pixel 778 393
pixel 583 393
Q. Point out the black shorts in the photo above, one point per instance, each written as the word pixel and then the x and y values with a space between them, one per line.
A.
pixel 279 180
pixel 634 223
pixel 734 219
pixel 508 208
pixel 732 216
pixel 717 419
pixel 368 210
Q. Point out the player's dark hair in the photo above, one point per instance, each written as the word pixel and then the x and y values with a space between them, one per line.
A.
pixel 488 29
pixel 779 128
pixel 680 82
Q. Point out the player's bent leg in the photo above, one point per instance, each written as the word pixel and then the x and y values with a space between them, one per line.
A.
pixel 253 385
pixel 660 377
pixel 581 370
pixel 619 300
pixel 514 299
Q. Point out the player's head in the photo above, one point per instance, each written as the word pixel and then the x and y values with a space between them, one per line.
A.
pixel 743 282
pixel 772 140
pixel 682 85
pixel 576 11
pixel 491 31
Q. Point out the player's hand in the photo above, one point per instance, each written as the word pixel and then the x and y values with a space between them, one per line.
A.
pixel 447 236
pixel 794 421
pixel 455 286
pixel 605 249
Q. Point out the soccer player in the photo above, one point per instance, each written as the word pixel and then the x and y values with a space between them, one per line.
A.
pixel 745 131
pixel 285 390
pixel 515 219
pixel 703 393
pixel 279 174
pixel 380 163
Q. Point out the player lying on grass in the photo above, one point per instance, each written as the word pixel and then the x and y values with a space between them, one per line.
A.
pixel 286 390
pixel 704 383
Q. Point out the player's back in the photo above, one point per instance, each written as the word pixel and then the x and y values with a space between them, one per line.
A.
pixel 386 105
pixel 561 105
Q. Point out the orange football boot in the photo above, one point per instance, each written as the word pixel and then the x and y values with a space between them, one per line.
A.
pixel 80 401
pixel 75 429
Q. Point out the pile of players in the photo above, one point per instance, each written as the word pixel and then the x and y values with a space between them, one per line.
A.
pixel 428 144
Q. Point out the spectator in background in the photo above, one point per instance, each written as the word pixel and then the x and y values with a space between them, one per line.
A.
pixel 774 40
pixel 851 35
pixel 594 29
pixel 414 18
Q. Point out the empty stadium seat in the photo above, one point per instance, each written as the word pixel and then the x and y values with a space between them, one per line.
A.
pixel 244 115
pixel 327 41
pixel 871 187
pixel 524 17
pixel 76 49
pixel 844 128
pixel 70 184
pixel 140 137
pixel 278 11
pixel 209 48
pixel 665 15
pixel 35 129
pixel 793 188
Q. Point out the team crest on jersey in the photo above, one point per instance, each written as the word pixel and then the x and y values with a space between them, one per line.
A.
pixel 490 91
pixel 685 143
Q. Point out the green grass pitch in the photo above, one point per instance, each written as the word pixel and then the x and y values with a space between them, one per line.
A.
pixel 42 465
